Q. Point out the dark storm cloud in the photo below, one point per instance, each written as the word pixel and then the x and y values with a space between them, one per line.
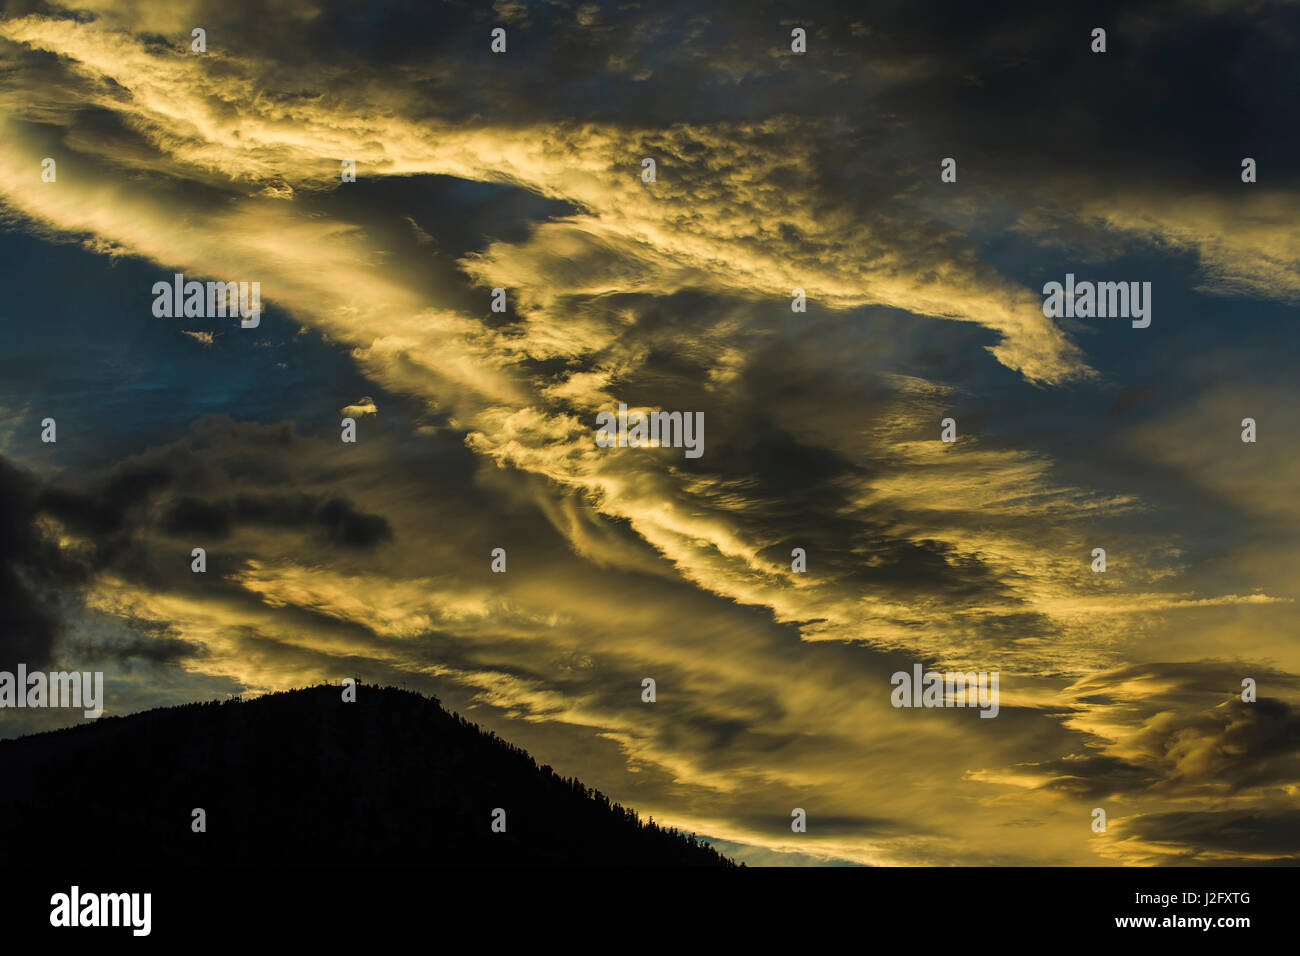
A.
pixel 1016 80
pixel 109 514
pixel 337 518
pixel 34 572
pixel 38 577
pixel 776 823
pixel 1187 732
pixel 111 506
pixel 1012 86
pixel 151 646
pixel 1090 778
pixel 103 510
pixel 1226 837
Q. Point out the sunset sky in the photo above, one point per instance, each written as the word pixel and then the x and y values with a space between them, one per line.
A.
pixel 775 171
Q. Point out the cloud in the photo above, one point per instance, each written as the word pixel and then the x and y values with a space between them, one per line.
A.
pixel 364 406
pixel 33 573
pixel 337 518
pixel 774 172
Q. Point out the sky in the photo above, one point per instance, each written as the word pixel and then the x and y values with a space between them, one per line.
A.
pixel 775 171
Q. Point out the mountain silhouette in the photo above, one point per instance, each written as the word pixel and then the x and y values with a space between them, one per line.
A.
pixel 303 778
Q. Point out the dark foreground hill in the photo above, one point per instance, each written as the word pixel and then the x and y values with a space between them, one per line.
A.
pixel 301 778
